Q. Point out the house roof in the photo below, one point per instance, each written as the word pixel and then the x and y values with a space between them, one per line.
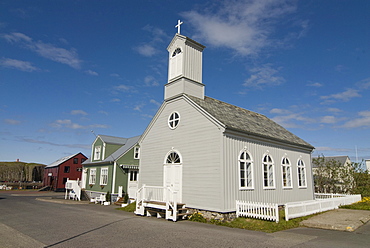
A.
pixel 341 160
pixel 127 145
pixel 112 140
pixel 246 121
pixel 60 161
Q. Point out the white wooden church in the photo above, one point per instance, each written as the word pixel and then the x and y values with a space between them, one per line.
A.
pixel 207 154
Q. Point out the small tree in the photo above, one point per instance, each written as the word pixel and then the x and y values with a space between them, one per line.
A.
pixel 332 177
pixel 125 198
pixel 108 196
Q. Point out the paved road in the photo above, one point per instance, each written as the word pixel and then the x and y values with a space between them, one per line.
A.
pixel 27 222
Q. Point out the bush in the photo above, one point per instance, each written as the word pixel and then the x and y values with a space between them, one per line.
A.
pixel 198 217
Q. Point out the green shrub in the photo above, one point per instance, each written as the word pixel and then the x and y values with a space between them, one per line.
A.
pixel 198 217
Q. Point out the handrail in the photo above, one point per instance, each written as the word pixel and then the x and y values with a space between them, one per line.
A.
pixel 160 194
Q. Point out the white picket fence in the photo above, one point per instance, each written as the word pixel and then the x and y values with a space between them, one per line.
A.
pixel 266 211
pixel 323 202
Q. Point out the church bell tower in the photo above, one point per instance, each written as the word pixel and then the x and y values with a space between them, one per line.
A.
pixel 184 67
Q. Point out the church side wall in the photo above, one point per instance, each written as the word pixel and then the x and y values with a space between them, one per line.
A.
pixel 233 145
pixel 198 141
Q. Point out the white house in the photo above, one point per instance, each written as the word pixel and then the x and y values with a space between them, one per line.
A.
pixel 210 153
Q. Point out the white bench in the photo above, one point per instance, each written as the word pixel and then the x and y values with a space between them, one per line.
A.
pixel 98 199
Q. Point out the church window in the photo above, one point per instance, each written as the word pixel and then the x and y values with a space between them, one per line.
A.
pixel 301 174
pixel 268 172
pixel 177 51
pixel 173 158
pixel 245 171
pixel 286 173
pixel 173 120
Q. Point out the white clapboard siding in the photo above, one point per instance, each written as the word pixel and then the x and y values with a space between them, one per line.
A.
pixel 198 141
pixel 232 147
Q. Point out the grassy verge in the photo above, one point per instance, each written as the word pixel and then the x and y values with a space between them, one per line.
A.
pixel 362 205
pixel 255 224
pixel 128 208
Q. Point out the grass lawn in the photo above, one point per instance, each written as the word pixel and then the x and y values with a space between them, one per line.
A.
pixel 129 208
pixel 362 205
pixel 255 224
pixel 262 225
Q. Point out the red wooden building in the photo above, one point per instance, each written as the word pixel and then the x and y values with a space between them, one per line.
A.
pixel 57 173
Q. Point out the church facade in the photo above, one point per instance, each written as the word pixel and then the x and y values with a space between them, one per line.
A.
pixel 212 153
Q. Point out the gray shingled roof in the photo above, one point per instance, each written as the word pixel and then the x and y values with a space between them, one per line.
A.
pixel 113 140
pixel 341 160
pixel 246 121
pixel 127 145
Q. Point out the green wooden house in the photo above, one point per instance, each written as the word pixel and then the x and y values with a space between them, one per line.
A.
pixel 113 167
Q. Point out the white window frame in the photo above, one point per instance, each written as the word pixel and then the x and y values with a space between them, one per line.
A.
pixel 97 152
pixel 243 172
pixel 173 121
pixel 104 176
pixel 301 173
pixel 270 172
pixel 173 157
pixel 137 152
pixel 92 176
pixel 286 170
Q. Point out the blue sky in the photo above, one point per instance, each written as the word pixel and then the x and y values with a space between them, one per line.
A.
pixel 69 67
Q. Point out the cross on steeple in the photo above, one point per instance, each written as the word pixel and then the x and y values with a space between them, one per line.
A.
pixel 178 26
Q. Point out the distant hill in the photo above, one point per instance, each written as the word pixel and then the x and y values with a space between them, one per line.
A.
pixel 21 171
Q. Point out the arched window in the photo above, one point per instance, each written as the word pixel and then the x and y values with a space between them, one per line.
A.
pixel 268 172
pixel 286 173
pixel 301 174
pixel 177 51
pixel 245 171
pixel 173 158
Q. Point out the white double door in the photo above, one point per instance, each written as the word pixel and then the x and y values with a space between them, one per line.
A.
pixel 173 178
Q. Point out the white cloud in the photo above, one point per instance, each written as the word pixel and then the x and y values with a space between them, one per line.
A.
pixel 264 76
pixel 139 107
pixel 49 51
pixel 157 36
pixel 315 84
pixel 279 111
pixel 12 122
pixel 92 73
pixel 18 64
pixel 290 119
pixel 146 50
pixel 70 125
pixel 150 81
pixel 328 119
pixel 343 96
pixel 364 84
pixel 362 121
pixel 243 26
pixel 116 75
pixel 115 100
pixel 123 88
pixel 155 102
pixel 333 110
pixel 103 112
pixel 78 112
